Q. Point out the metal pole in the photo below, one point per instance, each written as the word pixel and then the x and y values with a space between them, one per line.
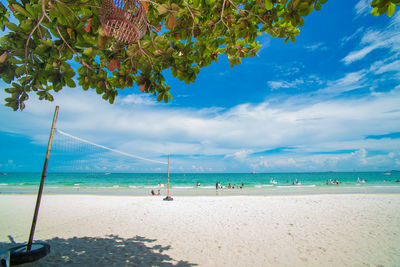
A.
pixel 39 196
pixel 168 175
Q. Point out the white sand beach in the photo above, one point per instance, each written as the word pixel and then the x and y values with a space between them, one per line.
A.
pixel 309 230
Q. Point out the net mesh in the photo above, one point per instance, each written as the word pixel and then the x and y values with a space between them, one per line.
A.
pixel 73 154
pixel 124 20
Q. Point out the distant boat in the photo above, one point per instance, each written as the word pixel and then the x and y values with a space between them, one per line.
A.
pixel 3 173
pixel 107 173
pixel 387 173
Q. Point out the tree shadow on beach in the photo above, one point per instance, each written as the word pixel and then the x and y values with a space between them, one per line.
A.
pixel 105 251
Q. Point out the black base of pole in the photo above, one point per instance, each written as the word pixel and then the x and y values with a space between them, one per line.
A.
pixel 168 198
pixel 21 255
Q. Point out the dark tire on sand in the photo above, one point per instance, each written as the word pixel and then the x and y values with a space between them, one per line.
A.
pixel 20 255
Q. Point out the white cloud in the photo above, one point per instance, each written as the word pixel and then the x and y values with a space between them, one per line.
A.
pixel 240 155
pixel 325 132
pixel 265 42
pixel 135 99
pixel 372 40
pixel 317 46
pixel 231 134
pixel 360 54
pixel 363 7
pixel 284 84
pixel 346 39
pixel 350 81
pixel 387 65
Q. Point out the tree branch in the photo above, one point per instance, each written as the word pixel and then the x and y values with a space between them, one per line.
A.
pixel 73 51
pixel 191 13
pixel 222 15
pixel 32 32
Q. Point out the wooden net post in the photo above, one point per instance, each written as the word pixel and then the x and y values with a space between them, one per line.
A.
pixel 168 176
pixel 39 196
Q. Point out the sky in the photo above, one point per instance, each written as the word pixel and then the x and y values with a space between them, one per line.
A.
pixel 328 102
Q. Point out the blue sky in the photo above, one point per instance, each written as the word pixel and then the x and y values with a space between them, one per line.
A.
pixel 328 102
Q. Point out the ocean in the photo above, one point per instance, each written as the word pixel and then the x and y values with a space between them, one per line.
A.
pixel 186 184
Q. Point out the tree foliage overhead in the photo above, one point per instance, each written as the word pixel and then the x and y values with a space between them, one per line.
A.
pixel 45 37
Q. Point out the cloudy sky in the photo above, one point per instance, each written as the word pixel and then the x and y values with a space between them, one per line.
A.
pixel 328 102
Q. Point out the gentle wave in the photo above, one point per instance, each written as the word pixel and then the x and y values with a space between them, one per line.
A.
pixel 295 186
pixel 3 184
pixel 263 185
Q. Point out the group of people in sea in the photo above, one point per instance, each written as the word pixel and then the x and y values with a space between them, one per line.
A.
pixel 330 181
pixel 360 181
pixel 296 182
pixel 218 185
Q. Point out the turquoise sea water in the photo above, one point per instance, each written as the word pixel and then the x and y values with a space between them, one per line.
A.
pixel 186 184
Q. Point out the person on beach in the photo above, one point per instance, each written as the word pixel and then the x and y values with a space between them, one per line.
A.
pixel 360 181
pixel 198 184
pixel 152 192
pixel 217 185
pixel 159 193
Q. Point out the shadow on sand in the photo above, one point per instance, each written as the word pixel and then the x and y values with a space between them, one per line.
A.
pixel 109 251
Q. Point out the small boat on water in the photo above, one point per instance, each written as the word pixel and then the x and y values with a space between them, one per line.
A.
pixel 272 181
pixel 387 173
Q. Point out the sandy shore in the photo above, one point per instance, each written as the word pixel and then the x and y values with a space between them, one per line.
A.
pixel 309 230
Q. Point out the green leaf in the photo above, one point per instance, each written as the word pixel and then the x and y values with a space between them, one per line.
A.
pixel 11 26
pixel 317 6
pixel 375 11
pixel 21 10
pixel 70 83
pixel 197 35
pixel 390 10
pixel 162 9
pixel 268 4
pixel 20 70
pixel 90 52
